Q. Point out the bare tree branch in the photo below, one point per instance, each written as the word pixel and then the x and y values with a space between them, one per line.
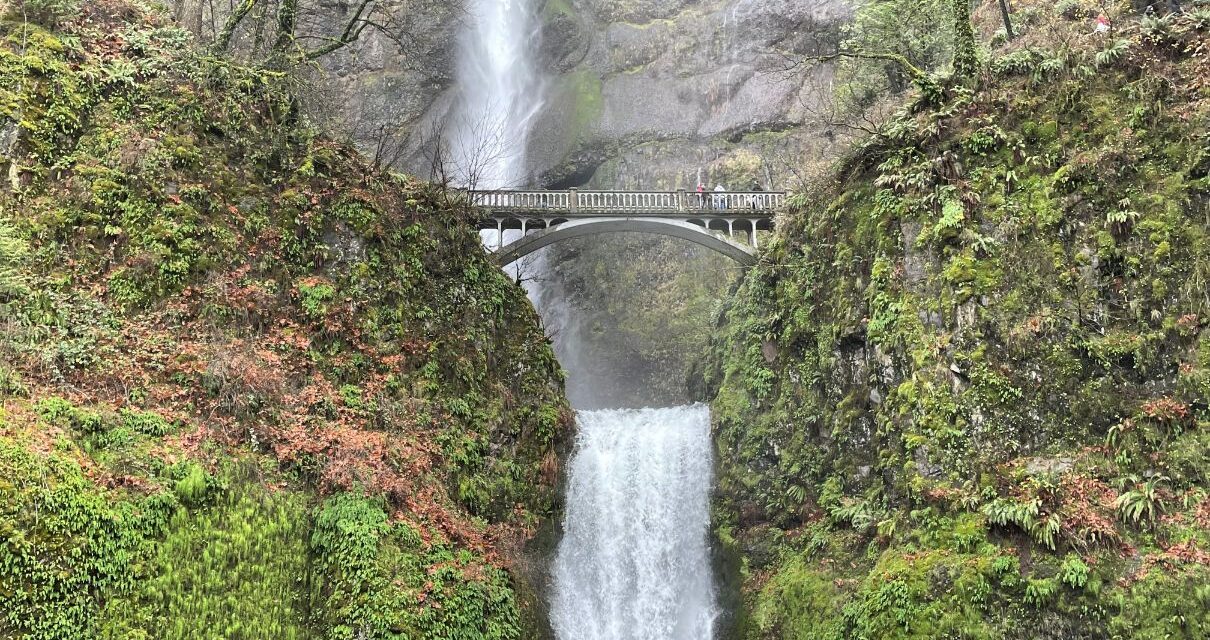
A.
pixel 915 73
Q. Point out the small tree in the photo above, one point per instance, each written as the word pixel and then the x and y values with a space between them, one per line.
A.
pixel 1008 22
pixel 896 42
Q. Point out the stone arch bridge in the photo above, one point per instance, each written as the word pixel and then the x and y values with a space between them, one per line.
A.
pixel 711 219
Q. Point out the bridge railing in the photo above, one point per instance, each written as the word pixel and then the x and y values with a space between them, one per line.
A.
pixel 597 201
pixel 574 201
pixel 758 200
pixel 526 200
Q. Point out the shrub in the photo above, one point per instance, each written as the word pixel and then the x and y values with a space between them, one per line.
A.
pixel 47 12
pixel 315 297
pixel 1071 9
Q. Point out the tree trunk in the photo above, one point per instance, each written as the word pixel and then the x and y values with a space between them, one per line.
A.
pixel 223 41
pixel 1008 22
pixel 966 55
pixel 287 20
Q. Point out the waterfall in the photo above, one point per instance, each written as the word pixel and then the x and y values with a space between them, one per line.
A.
pixel 499 93
pixel 634 562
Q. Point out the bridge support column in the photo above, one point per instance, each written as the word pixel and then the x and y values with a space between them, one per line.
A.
pixel 499 233
pixel 754 236
pixel 730 228
pixel 523 229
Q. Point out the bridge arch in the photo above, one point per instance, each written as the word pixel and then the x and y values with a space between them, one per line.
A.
pixel 576 228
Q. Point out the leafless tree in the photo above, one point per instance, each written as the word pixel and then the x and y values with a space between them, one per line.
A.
pixel 465 150
pixel 464 153
pixel 843 112
pixel 290 32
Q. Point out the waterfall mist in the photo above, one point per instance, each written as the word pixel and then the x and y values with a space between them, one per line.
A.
pixel 634 561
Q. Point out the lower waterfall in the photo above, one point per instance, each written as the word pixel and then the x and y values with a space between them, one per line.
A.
pixel 634 561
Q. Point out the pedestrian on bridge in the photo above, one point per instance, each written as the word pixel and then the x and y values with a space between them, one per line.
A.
pixel 720 200
pixel 701 196
pixel 754 200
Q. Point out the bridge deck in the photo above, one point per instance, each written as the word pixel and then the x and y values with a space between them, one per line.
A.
pixel 574 203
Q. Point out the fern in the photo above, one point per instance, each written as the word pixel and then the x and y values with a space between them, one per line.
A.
pixel 858 513
pixel 13 255
pixel 1026 516
pixel 1074 572
pixel 1039 592
pixel 1143 503
pixel 1157 29
pixel 1200 18
pixel 1121 220
pixel 1114 51
pixel 1049 68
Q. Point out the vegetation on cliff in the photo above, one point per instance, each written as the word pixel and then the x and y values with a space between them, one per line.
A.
pixel 965 393
pixel 249 385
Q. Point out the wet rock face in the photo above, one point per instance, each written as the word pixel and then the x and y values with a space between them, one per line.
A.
pixel 380 88
pixel 565 42
pixel 694 77
pixel 637 11
pixel 666 71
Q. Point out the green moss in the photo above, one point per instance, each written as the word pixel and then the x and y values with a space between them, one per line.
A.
pixel 971 362
pixel 215 278
pixel 554 9
pixel 584 88
pixel 380 581
pixel 800 603
pixel 1165 604
pixel 67 544
pixel 232 567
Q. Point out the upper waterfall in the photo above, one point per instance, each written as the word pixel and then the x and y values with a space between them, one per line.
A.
pixel 499 93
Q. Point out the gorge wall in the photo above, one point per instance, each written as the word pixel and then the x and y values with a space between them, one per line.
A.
pixel 964 394
pixel 251 385
pixel 637 95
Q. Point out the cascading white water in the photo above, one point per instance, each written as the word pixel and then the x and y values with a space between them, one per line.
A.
pixel 499 93
pixel 634 560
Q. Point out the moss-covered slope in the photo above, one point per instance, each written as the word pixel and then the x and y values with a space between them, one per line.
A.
pixel 251 386
pixel 964 395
